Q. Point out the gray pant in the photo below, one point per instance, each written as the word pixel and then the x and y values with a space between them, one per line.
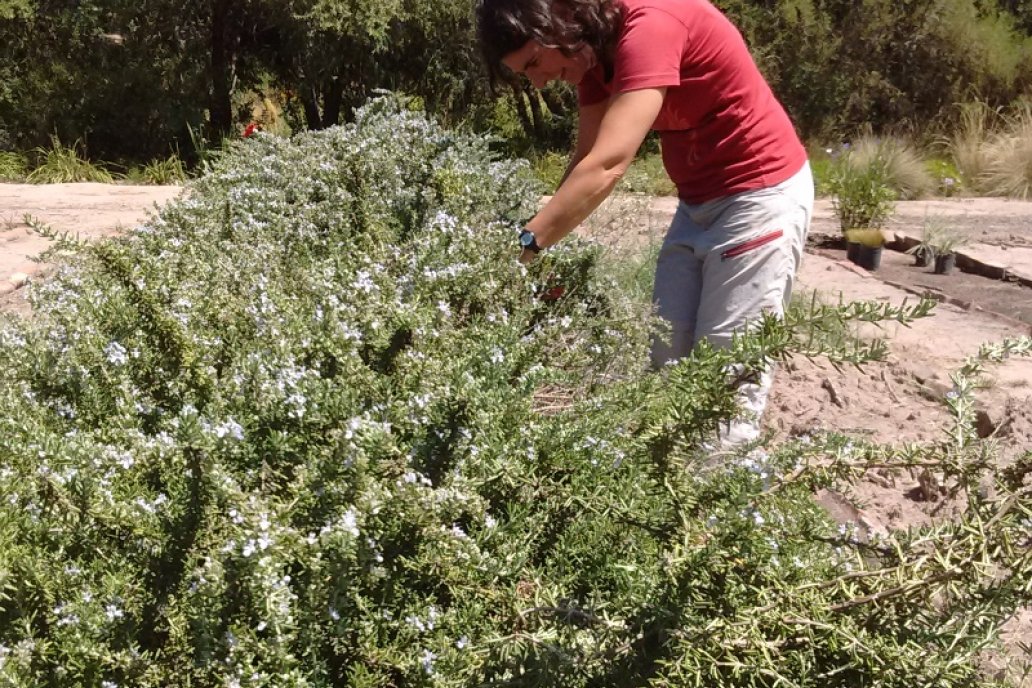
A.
pixel 723 263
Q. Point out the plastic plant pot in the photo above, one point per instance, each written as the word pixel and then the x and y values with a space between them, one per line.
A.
pixel 852 250
pixel 868 257
pixel 944 264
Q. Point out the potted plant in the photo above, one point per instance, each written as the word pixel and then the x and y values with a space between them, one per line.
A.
pixel 867 246
pixel 945 252
pixel 863 200
pixel 924 252
pixel 944 247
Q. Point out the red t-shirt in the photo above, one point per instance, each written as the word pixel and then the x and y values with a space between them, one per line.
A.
pixel 721 128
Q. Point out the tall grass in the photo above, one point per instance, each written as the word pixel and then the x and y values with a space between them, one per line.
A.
pixel 967 143
pixel 12 167
pixel 904 166
pixel 1008 151
pixel 62 164
pixel 171 170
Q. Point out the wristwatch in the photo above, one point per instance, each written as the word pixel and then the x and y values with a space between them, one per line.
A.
pixel 529 241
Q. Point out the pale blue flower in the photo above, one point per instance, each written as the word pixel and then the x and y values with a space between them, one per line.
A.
pixel 116 354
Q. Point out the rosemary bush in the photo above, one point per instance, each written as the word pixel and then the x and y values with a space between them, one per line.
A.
pixel 299 430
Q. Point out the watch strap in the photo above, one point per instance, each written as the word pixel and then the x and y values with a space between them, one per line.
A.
pixel 531 244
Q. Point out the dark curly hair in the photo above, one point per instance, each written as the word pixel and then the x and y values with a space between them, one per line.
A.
pixel 504 26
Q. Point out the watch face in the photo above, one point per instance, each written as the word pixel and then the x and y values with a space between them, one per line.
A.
pixel 526 238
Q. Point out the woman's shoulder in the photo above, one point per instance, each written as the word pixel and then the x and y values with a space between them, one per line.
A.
pixel 686 11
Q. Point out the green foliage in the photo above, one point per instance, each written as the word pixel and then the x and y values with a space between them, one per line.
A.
pixel 647 175
pixel 62 164
pixel 863 197
pixel 126 78
pixel 300 430
pixel 171 170
pixel 841 65
pixel 549 168
pixel 822 166
pixel 9 9
pixel 133 78
pixel 12 167
pixel 946 176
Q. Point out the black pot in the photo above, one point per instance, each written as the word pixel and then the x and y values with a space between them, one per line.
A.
pixel 944 264
pixel 852 249
pixel 922 259
pixel 868 257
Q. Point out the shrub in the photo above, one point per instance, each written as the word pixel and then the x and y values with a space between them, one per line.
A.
pixel 62 164
pixel 12 167
pixel 299 430
pixel 861 192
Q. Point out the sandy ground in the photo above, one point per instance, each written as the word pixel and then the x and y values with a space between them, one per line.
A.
pixel 86 210
pixel 897 400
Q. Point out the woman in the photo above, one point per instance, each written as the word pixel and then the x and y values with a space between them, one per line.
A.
pixel 746 194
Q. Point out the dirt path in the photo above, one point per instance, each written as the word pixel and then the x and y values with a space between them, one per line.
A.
pixel 89 210
pixel 898 400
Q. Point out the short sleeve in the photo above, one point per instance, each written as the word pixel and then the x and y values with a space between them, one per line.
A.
pixel 650 51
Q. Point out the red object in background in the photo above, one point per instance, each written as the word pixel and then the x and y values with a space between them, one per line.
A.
pixel 553 293
pixel 251 128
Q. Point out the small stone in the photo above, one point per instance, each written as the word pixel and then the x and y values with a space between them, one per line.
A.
pixel 19 280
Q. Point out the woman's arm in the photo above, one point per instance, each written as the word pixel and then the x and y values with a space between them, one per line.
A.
pixel 589 119
pixel 623 125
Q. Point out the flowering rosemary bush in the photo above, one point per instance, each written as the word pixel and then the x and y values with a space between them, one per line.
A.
pixel 300 429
